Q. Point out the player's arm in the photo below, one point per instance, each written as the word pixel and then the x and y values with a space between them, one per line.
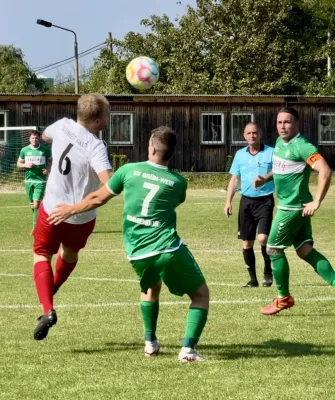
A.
pixel 233 183
pixel 105 175
pixel 94 200
pixel 262 180
pixel 100 163
pixel 46 138
pixel 319 164
pixel 22 164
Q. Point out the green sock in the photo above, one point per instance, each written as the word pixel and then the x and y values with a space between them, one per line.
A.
pixel 150 310
pixel 196 321
pixel 35 211
pixel 321 266
pixel 281 273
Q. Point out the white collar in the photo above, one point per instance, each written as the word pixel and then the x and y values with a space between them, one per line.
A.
pixel 157 165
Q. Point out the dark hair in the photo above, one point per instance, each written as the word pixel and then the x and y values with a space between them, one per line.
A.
pixel 33 132
pixel 290 110
pixel 164 140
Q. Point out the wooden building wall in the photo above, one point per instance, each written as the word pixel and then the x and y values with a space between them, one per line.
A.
pixel 184 117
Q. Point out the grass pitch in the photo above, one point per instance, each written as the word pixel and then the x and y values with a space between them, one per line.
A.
pixel 96 349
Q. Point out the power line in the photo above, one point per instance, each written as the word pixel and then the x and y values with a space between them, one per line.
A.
pixel 71 80
pixel 68 62
pixel 66 59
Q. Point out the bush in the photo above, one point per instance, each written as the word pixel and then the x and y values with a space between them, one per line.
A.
pixel 118 160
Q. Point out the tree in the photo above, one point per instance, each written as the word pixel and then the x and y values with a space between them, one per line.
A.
pixel 15 75
pixel 226 47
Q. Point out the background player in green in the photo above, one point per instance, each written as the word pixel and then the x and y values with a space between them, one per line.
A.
pixel 151 194
pixel 293 159
pixel 36 160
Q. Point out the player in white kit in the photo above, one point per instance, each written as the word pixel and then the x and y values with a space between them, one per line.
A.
pixel 80 164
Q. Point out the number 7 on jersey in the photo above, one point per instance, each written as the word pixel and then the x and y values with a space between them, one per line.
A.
pixel 153 189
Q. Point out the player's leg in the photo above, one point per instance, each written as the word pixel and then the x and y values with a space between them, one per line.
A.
pixel 264 216
pixel 283 230
pixel 305 250
pixel 73 238
pixel 38 190
pixel 66 262
pixel 182 275
pixel 29 191
pixel 46 243
pixel 247 233
pixel 195 323
pixel 151 284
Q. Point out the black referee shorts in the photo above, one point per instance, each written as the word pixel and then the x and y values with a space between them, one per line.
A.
pixel 255 212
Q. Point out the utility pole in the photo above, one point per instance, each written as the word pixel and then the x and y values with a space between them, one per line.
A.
pixel 49 24
pixel 110 42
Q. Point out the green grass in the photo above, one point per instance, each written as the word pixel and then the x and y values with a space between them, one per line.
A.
pixel 96 349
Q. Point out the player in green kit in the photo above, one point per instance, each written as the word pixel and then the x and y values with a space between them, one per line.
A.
pixel 36 160
pixel 293 159
pixel 151 194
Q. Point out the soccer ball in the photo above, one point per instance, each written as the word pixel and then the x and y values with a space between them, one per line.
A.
pixel 142 72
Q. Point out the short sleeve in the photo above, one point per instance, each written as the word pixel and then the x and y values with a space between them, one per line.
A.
pixel 51 130
pixel 235 167
pixel 116 182
pixel 306 149
pixel 99 159
pixel 22 155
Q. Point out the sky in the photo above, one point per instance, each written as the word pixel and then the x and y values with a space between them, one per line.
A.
pixel 90 19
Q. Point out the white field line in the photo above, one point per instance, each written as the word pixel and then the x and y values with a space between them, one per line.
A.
pixel 164 303
pixel 121 204
pixel 122 251
pixel 88 278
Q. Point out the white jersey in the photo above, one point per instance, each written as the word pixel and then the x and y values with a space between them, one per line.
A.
pixel 78 156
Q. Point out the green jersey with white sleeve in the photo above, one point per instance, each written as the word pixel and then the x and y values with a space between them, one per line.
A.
pixel 151 194
pixel 291 172
pixel 39 156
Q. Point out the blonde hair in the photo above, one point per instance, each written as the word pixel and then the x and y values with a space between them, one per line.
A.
pixel 92 106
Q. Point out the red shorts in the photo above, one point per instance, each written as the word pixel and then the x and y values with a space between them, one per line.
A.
pixel 47 238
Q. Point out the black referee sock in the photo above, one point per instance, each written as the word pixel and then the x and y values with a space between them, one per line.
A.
pixel 267 263
pixel 250 263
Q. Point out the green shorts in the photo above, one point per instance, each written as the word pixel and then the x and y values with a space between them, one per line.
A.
pixel 290 228
pixel 35 191
pixel 178 270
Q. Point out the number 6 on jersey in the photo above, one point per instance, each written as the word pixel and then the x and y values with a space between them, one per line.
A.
pixel 153 190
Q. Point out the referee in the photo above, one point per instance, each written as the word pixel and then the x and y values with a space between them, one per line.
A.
pixel 256 206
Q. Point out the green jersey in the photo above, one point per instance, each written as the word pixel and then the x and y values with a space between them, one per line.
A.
pixel 151 194
pixel 291 172
pixel 38 156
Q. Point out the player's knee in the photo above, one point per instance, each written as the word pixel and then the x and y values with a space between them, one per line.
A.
pixel 262 239
pixel 202 294
pixel 275 254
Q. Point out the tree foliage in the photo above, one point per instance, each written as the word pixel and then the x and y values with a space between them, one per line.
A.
pixel 228 47
pixel 15 75
pixel 217 47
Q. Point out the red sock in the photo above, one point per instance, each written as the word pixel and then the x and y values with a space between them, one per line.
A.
pixel 43 277
pixel 63 271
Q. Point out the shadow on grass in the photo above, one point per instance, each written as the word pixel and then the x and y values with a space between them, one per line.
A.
pixel 116 347
pixel 269 349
